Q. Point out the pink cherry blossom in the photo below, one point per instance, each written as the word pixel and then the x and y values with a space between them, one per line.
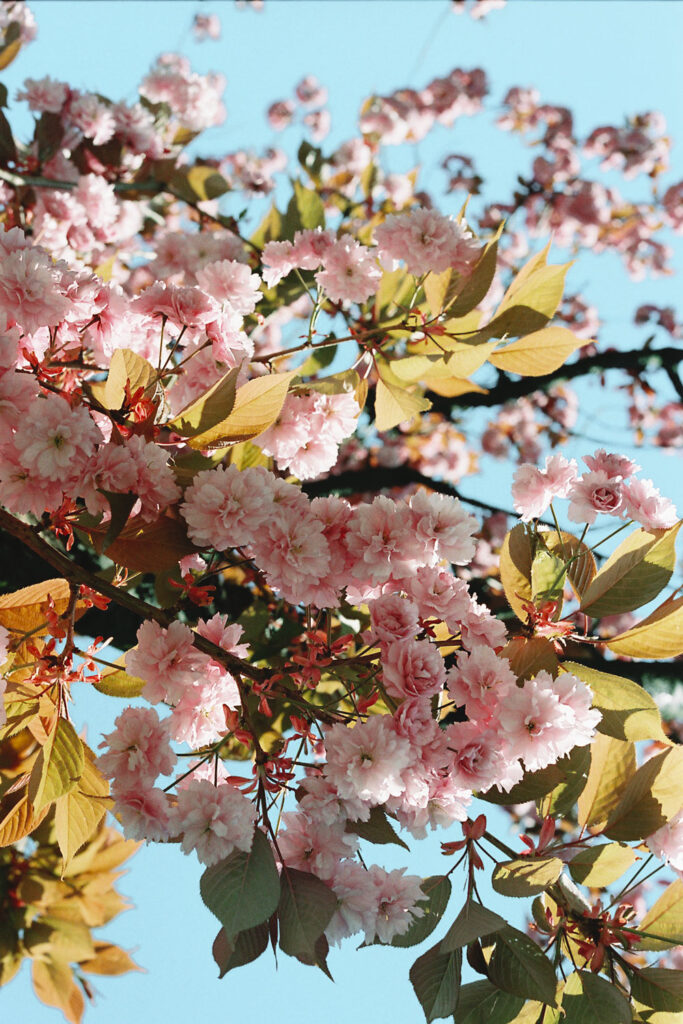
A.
pixel 367 762
pixel 349 271
pixel 165 658
pixel 667 843
pixel 595 493
pixel 413 668
pixel 644 503
pixel 139 750
pixel 213 820
pixel 143 813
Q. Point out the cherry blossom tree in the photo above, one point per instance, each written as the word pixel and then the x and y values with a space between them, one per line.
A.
pixel 233 446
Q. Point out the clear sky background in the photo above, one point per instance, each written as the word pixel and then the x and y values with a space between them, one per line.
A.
pixel 602 59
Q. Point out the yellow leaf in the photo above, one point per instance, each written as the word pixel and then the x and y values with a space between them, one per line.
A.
pixel 660 635
pixel 78 813
pixel 516 557
pixel 539 353
pixel 8 53
pixel 258 403
pixel 613 763
pixel 54 985
pixel 120 684
pixel 628 712
pixel 652 797
pixel 58 767
pixel 205 182
pixel 633 574
pixel 453 386
pixel 17 817
pixel 109 960
pixel 394 404
pixel 395 289
pixel 127 366
pixel 665 918
pixel 599 866
pixel 21 610
pixel 209 408
pixel 526 876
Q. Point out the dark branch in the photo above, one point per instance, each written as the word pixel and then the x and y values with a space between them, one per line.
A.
pixel 632 361
pixel 77 574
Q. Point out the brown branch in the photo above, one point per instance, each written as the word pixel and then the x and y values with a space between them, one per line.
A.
pixel 632 361
pixel 77 574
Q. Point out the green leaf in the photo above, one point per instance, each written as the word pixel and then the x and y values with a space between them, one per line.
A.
pixel 588 998
pixel 305 910
pixel 533 786
pixel 120 684
pixel 538 353
pixel 658 636
pixel 576 766
pixel 258 403
pixel 58 767
pixel 437 889
pixel 198 184
pixel 548 575
pixel 526 876
pixel 472 922
pixel 304 210
pixel 613 763
pixel 482 1003
pixel 628 711
pixel 242 949
pixel 435 977
pixel 209 409
pixel 664 918
pixel 650 799
pixel 244 889
pixel 658 988
pixel 634 574
pixel 377 829
pixel 519 966
pixel 599 866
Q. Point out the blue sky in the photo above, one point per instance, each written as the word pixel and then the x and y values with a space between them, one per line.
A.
pixel 604 60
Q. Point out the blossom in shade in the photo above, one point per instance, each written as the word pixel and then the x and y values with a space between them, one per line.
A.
pixel 480 680
pixel 143 813
pixel 397 899
pixel 213 820
pixel 199 716
pixel 413 668
pixel 165 658
pixel 393 618
pixel 311 845
pixel 368 761
pixel 139 750
pixel 444 527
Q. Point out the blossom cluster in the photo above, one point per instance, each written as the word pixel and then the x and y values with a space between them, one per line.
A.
pixel 610 487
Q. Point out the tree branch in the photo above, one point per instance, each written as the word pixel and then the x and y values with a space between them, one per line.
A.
pixel 633 360
pixel 77 574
